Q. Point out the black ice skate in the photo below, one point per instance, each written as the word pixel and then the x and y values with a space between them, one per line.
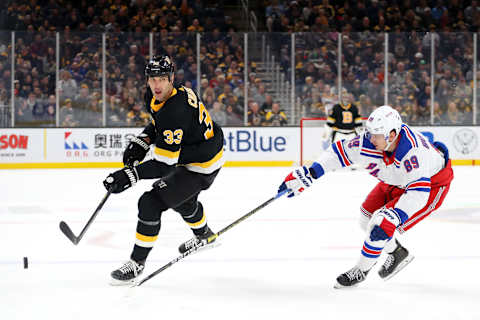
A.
pixel 207 238
pixel 396 261
pixel 351 278
pixel 126 274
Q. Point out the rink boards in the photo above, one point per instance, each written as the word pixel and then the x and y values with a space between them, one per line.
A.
pixel 258 146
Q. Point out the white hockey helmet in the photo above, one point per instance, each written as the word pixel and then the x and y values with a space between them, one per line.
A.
pixel 383 120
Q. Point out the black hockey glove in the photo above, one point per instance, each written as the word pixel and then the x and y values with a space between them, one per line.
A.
pixel 121 180
pixel 136 150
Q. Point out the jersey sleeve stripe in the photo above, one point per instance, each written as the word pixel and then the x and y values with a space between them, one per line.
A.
pixel 209 166
pixel 166 156
pixel 371 153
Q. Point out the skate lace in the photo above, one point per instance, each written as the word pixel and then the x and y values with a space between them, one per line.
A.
pixel 354 274
pixel 129 267
pixel 191 243
pixel 389 262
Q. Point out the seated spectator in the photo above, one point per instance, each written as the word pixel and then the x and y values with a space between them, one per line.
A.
pixel 68 117
pixel 453 116
pixel 50 108
pixel 50 115
pixel 115 112
pixel 276 117
pixel 233 119
pixel 137 117
pixel 256 117
pixel 218 114
pixel 36 106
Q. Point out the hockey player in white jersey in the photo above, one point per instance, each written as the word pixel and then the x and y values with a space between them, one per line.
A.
pixel 414 176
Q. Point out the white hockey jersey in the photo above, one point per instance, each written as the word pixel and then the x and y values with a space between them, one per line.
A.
pixel 410 166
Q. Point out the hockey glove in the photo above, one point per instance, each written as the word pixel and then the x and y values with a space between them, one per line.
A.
pixel 383 224
pixel 121 180
pixel 297 181
pixel 136 150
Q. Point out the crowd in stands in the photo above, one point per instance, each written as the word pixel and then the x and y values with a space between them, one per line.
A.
pixel 411 27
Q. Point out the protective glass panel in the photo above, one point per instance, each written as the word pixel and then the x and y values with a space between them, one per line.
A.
pixel 127 54
pixel 316 73
pixel 80 84
pixel 5 80
pixel 35 68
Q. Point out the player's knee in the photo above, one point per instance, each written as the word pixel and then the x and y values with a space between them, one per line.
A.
pixel 189 208
pixel 150 207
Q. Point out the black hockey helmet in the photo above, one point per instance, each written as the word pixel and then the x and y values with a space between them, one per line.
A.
pixel 159 66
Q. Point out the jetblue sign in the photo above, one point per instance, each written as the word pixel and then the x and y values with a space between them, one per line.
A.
pixel 261 143
pixel 253 141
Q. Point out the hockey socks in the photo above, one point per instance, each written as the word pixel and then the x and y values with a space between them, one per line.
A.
pixel 147 234
pixel 197 220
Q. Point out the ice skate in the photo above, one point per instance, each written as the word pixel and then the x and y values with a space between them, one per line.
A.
pixel 207 239
pixel 126 274
pixel 351 278
pixel 396 261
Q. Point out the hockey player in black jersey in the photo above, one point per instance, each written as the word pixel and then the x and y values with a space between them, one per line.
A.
pixel 187 156
pixel 344 120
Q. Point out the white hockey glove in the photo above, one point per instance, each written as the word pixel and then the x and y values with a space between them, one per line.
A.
pixel 297 181
pixel 383 224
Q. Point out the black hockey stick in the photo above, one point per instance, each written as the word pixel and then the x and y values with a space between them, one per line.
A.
pixel 68 232
pixel 210 239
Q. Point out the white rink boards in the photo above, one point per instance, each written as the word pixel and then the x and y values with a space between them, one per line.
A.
pixel 281 263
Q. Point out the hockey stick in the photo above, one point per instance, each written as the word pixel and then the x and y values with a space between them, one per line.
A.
pixel 68 232
pixel 211 238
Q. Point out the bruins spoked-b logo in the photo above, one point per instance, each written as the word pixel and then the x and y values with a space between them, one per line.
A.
pixel 465 141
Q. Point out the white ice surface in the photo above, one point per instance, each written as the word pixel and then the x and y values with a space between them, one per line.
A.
pixel 281 263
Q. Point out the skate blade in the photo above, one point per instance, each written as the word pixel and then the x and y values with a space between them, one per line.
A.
pixel 402 265
pixel 339 286
pixel 207 246
pixel 210 246
pixel 120 283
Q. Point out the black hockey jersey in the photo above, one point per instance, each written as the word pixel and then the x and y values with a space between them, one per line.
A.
pixel 344 118
pixel 183 132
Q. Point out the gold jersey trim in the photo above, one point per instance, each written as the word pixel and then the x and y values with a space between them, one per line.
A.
pixel 209 166
pixel 166 156
pixel 157 106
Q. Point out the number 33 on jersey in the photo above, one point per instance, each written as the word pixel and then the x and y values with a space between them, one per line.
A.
pixel 184 132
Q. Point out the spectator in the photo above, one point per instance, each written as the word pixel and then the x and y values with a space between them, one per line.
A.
pixel 218 114
pixel 453 116
pixel 137 117
pixel 233 119
pixel 67 85
pixel 276 117
pixel 256 117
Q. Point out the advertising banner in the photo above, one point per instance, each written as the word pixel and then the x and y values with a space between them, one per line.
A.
pixel 22 145
pixel 257 146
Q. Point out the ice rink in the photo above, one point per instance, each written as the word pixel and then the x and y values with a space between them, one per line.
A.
pixel 281 263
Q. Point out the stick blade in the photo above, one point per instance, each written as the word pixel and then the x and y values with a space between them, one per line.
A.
pixel 68 232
